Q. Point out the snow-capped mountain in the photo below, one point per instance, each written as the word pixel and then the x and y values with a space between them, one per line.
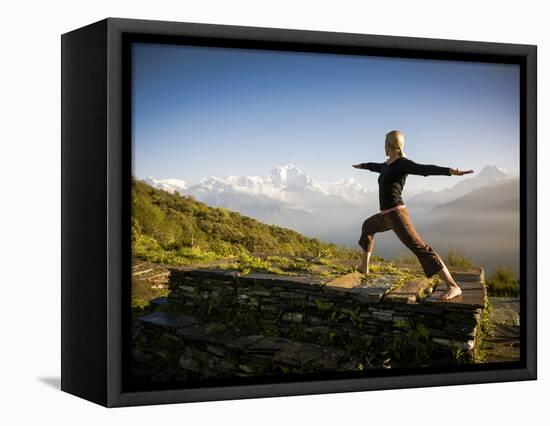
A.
pixel 285 184
pixel 286 197
pixel 168 185
pixel 349 189
pixel 281 185
pixel 291 176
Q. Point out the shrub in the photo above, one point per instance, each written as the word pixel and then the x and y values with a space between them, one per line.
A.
pixel 456 257
pixel 406 259
pixel 503 282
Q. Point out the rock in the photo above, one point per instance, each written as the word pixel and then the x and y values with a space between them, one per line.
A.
pixel 315 321
pixel 467 273
pixel 193 332
pixel 243 342
pixel 329 360
pixel 189 363
pixel 411 291
pixel 168 319
pixel 216 350
pixel 159 301
pixel 246 368
pixel 298 354
pixel 369 294
pixel 505 310
pixel 347 281
pixel 269 345
pixel 287 281
pixel 456 344
pixel 474 296
pixel 382 315
pixel 293 316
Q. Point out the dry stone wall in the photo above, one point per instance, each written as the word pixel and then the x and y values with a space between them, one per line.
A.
pixel 219 323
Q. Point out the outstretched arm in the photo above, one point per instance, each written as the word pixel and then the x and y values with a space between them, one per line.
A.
pixel 373 167
pixel 432 170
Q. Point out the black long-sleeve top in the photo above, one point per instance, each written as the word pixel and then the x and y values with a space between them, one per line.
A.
pixel 393 176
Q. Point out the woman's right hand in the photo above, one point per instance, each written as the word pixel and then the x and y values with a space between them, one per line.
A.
pixel 357 166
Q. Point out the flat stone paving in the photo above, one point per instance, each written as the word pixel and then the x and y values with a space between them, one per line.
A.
pixel 168 319
pixel 505 310
pixel 285 351
pixel 266 278
pixel 411 292
pixel 374 289
pixel 347 281
pixel 469 273
pixel 474 295
pixel 502 344
pixel 367 289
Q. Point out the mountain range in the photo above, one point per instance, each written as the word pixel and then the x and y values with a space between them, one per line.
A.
pixel 286 184
pixel 334 211
pixel 289 191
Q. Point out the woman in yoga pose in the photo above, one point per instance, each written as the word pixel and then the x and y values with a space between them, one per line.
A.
pixel 394 214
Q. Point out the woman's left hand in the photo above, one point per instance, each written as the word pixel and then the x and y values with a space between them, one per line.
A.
pixel 458 172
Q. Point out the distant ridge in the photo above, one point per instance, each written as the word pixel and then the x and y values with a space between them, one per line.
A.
pixel 489 175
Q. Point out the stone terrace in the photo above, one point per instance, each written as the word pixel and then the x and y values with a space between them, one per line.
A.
pixel 221 323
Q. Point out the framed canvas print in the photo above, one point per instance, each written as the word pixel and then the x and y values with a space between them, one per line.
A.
pixel 253 212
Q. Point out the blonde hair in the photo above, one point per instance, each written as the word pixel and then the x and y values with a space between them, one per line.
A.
pixel 396 141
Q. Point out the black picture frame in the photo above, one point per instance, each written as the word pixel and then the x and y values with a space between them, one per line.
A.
pixel 96 165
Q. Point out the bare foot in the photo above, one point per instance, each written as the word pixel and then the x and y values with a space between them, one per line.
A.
pixel 362 270
pixel 451 292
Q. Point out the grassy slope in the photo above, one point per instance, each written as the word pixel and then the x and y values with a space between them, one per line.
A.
pixel 174 229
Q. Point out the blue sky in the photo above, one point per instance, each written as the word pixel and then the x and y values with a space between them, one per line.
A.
pixel 201 111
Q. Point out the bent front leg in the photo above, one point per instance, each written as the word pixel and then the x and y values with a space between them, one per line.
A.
pixel 371 226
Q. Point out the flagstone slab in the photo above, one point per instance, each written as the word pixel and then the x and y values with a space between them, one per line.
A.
pixel 474 297
pixel 464 274
pixel 471 285
pixel 168 319
pixel 269 345
pixel 243 342
pixel 298 354
pixel 411 291
pixel 368 289
pixel 346 281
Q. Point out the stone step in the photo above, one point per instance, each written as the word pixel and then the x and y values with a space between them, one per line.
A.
pixel 467 274
pixel 266 278
pixel 168 319
pixel 474 295
pixel 411 291
pixel 346 281
pixel 366 289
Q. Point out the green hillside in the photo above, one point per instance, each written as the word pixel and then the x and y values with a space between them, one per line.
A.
pixel 174 229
